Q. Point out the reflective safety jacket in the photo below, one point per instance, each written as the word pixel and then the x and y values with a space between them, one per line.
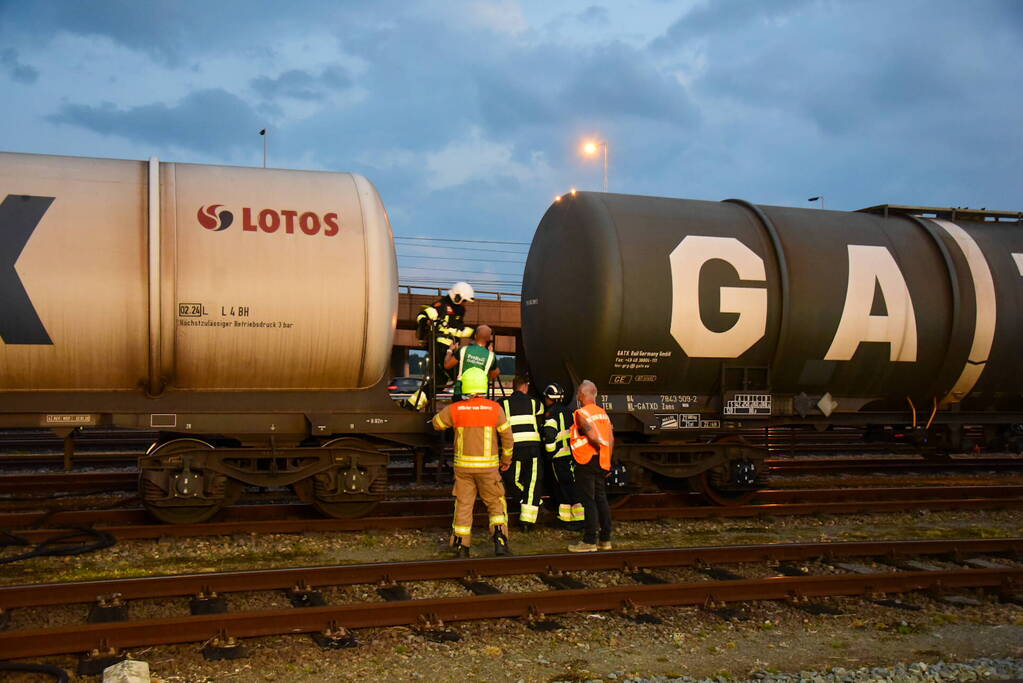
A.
pixel 449 318
pixel 474 365
pixel 478 423
pixel 522 412
pixel 555 432
pixel 582 450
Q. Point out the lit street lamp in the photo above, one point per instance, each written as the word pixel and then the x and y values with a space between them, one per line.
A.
pixel 590 148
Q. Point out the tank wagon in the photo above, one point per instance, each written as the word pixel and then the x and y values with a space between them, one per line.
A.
pixel 247 314
pixel 702 319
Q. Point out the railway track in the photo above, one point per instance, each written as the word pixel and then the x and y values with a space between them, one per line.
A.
pixel 130 524
pixel 641 579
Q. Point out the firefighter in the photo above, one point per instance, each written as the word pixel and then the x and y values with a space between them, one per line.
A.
pixel 523 479
pixel 478 423
pixel 446 316
pixel 591 439
pixel 555 432
pixel 474 358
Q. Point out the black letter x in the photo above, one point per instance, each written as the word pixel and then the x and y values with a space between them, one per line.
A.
pixel 19 322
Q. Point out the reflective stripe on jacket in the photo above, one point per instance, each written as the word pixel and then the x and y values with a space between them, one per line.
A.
pixel 582 450
pixel 556 431
pixel 449 319
pixel 522 412
pixel 474 365
pixel 478 424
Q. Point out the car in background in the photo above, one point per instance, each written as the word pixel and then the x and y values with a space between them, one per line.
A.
pixel 403 387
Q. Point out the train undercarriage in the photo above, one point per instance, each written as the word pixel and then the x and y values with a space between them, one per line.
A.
pixel 188 478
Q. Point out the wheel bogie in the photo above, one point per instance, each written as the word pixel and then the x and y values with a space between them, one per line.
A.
pixel 189 480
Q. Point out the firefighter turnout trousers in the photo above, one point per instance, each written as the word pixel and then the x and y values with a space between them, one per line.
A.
pixel 469 482
pixel 556 435
pixel 523 480
pixel 569 507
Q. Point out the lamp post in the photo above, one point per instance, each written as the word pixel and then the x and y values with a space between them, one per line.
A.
pixel 814 199
pixel 590 148
pixel 263 134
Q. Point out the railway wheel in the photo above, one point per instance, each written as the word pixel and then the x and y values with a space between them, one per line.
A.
pixel 708 483
pixel 718 484
pixel 349 489
pixel 176 488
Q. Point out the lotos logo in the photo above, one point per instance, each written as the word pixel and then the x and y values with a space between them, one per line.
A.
pixel 272 220
pixel 209 219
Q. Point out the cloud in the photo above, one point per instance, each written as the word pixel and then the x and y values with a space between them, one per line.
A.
pixel 723 16
pixel 302 85
pixel 22 73
pixel 617 80
pixel 499 16
pixel 207 121
pixel 594 14
pixel 475 158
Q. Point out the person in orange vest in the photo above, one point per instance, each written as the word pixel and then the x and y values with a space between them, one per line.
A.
pixel 478 423
pixel 592 442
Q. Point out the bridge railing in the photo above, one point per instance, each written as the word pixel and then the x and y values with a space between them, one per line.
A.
pixel 439 291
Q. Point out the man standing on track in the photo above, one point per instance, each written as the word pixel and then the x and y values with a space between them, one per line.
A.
pixel 592 443
pixel 523 412
pixel 478 423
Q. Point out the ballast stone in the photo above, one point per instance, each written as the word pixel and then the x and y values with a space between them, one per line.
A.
pixel 127 671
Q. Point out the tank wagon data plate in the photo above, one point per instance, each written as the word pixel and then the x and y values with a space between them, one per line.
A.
pixel 747 404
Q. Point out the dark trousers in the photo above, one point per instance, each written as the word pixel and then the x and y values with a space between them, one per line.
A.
pixel 522 481
pixel 591 487
pixel 565 480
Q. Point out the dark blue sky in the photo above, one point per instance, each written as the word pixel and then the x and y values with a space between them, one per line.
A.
pixel 468 115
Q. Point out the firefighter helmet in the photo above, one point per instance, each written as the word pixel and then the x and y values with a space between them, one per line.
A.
pixel 554 392
pixel 460 292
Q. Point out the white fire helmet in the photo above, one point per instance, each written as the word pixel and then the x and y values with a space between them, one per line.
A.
pixel 461 292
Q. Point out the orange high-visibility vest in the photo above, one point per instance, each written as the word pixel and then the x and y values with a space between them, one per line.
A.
pixel 582 451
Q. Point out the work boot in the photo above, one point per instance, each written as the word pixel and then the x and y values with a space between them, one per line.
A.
pixel 459 551
pixel 526 527
pixel 501 548
pixel 582 547
pixel 604 545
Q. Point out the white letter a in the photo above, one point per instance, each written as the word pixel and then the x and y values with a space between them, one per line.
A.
pixel 869 267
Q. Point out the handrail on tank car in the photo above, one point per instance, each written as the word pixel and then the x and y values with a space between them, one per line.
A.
pixel 954 213
pixel 439 291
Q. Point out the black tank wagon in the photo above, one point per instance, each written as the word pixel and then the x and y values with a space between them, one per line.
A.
pixel 700 319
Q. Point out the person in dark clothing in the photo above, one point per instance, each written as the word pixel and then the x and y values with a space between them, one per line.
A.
pixel 522 480
pixel 555 433
pixel 446 316
pixel 592 444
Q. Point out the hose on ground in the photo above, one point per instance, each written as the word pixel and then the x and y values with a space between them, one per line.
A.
pixel 61 545
pixel 60 675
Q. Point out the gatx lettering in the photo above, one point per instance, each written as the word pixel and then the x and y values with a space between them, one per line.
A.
pixel 870 267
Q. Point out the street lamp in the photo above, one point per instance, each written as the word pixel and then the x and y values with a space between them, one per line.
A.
pixel 264 136
pixel 590 148
pixel 814 199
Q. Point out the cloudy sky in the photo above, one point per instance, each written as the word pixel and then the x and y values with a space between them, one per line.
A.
pixel 468 114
